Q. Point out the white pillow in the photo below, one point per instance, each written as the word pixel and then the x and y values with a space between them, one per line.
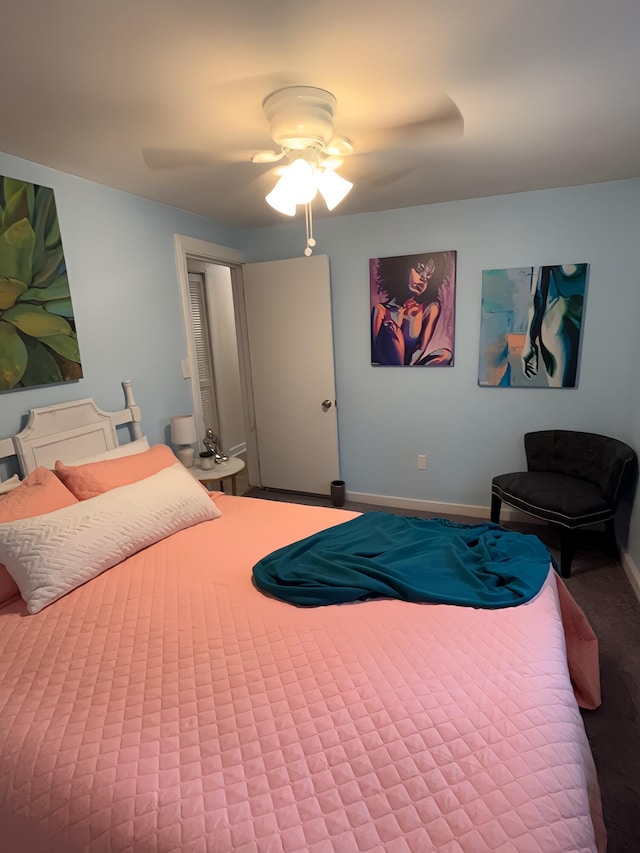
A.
pixel 130 449
pixel 49 555
pixel 10 484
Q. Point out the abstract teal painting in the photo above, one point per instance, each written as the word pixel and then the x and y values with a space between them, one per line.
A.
pixel 38 341
pixel 531 326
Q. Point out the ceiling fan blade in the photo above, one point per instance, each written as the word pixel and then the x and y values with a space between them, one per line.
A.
pixel 241 131
pixel 443 123
pixel 379 180
pixel 377 169
pixel 185 158
pixel 267 156
pixel 339 146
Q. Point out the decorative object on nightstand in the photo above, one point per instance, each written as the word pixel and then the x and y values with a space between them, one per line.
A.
pixel 219 472
pixel 183 432
pixel 212 443
pixel 207 460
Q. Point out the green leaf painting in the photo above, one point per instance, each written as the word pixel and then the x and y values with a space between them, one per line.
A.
pixel 38 341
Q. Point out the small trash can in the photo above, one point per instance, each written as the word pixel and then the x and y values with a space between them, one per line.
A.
pixel 337 492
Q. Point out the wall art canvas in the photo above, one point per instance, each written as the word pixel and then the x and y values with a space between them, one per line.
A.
pixel 531 326
pixel 412 303
pixel 38 341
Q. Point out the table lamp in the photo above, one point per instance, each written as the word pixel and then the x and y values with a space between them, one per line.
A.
pixel 183 432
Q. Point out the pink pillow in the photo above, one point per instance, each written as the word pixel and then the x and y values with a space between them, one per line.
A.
pixel 96 478
pixel 39 493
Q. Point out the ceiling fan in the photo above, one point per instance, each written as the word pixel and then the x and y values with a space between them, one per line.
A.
pixel 309 150
pixel 301 125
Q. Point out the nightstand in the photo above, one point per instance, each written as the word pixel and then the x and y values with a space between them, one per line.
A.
pixel 219 472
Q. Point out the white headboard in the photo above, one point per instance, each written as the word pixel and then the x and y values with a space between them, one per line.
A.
pixel 70 431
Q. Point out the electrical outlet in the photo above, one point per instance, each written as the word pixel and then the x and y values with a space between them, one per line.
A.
pixel 421 462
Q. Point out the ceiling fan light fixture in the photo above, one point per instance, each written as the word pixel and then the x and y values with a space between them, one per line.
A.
pixel 297 185
pixel 333 188
pixel 302 178
pixel 280 199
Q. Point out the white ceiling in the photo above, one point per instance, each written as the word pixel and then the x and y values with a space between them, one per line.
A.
pixel 548 89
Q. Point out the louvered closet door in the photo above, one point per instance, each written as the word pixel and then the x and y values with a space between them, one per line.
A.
pixel 202 342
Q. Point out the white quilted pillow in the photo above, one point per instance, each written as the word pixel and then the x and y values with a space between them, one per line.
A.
pixel 49 555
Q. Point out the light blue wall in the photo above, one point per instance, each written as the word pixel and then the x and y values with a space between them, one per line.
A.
pixel 122 272
pixel 120 256
pixel 389 415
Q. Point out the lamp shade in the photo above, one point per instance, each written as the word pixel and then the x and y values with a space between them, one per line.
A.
pixel 301 181
pixel 280 199
pixel 333 188
pixel 183 429
pixel 298 184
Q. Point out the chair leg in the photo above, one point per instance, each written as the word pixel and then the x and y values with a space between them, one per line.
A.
pixel 496 503
pixel 566 551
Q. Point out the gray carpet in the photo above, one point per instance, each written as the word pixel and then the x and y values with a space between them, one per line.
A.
pixel 600 586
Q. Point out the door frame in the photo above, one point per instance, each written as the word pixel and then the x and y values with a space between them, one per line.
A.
pixel 187 248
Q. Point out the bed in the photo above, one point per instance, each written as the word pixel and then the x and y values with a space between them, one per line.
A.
pixel 165 704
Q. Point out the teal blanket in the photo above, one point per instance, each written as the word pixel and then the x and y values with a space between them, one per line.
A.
pixel 380 555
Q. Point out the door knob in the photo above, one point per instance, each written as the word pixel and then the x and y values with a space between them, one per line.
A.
pixel 326 405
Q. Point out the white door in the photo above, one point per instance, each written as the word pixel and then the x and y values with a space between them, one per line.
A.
pixel 288 311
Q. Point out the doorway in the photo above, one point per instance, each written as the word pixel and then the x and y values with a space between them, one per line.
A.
pixel 285 365
pixel 197 254
pixel 213 327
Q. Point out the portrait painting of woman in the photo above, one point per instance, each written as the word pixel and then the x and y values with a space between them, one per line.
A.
pixel 412 309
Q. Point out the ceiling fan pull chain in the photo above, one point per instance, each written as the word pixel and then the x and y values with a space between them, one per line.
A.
pixel 309 224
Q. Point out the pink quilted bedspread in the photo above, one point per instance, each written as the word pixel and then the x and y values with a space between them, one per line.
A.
pixel 169 706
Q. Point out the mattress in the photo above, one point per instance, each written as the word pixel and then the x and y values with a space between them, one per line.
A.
pixel 167 705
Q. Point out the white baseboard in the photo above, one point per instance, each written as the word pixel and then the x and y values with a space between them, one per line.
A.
pixel 469 510
pixel 420 505
pixel 632 572
pixel 238 450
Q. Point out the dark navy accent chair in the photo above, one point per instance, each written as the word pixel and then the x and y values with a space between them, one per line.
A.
pixel 573 480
